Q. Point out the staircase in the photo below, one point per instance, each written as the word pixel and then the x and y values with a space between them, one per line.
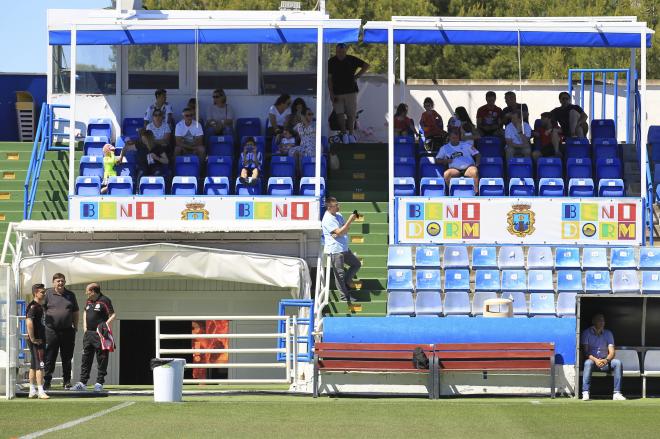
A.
pixel 362 184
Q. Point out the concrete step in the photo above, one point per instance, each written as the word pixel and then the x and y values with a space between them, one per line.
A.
pixel 372 309
pixel 364 185
pixel 358 195
pixel 371 238
pixel 364 206
pixel 364 174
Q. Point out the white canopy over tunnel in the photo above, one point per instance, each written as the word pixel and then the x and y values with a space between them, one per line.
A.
pixel 160 260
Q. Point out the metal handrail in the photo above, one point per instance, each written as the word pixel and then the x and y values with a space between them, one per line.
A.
pixel 322 291
pixel 650 196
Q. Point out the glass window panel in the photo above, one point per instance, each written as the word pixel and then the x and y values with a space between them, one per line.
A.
pixel 223 66
pixel 153 66
pixel 289 68
pixel 95 70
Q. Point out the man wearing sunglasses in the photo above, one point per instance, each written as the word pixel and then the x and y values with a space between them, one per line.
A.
pixel 189 137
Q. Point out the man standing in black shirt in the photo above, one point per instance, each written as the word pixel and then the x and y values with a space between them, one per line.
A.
pixel 61 309
pixel 34 319
pixel 342 84
pixel 98 310
pixel 571 118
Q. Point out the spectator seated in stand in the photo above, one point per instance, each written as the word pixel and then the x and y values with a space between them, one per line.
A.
pixel 251 161
pixel 285 141
pixel 517 135
pixel 431 123
pixel 110 161
pixel 403 125
pixel 461 158
pixel 298 110
pixel 462 123
pixel 160 129
pixel 571 118
pixel 489 117
pixel 306 131
pixel 546 138
pixel 157 163
pixel 162 105
pixel 189 136
pixel 219 116
pixel 278 116
pixel 513 107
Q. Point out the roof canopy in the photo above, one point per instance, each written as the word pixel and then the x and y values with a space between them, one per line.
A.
pixel 203 27
pixel 614 32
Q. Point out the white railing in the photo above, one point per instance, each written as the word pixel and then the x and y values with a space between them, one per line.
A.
pixel 322 292
pixel 290 350
pixel 8 245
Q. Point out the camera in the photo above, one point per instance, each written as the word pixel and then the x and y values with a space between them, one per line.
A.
pixel 356 213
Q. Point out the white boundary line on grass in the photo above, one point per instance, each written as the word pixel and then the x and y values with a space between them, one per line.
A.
pixel 78 421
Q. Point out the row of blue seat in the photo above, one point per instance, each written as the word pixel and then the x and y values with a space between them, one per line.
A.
pixel 185 185
pixel 457 303
pixel 513 257
pixel 458 279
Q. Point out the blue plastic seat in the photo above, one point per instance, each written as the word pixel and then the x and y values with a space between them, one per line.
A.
pixel 551 187
pixel 461 187
pixel 221 146
pixel 399 256
pixel 597 281
pixel 542 304
pixel 649 258
pixel 457 279
pixel 650 282
pixel 625 281
pixel 491 167
pixel 549 167
pixel 487 280
pixel 455 256
pixel 219 166
pixel 569 280
pixel 404 167
pixel 608 168
pixel 91 166
pixel 120 185
pixel 606 148
pixel 404 146
pixel 99 127
pixel 611 187
pixel 457 303
pixel 427 257
pixel 578 167
pixel 400 303
pixel 94 145
pixel 404 187
pixel 247 189
pixel 511 257
pixel 539 281
pixel 567 258
pixel 184 185
pixel 514 280
pixel 216 186
pixel 491 187
pixel 428 168
pixel 432 187
pixel 131 126
pixel 309 167
pixel 478 300
pixel 399 279
pixel 248 126
pixel 88 186
pixel 578 147
pixel 540 257
pixel 566 304
pixel 602 128
pixel 490 147
pixel 186 166
pixel 428 304
pixel 282 166
pixel 519 302
pixel 522 187
pixel 594 258
pixel 484 257
pixel 427 280
pixel 520 167
pixel 308 186
pixel 152 186
pixel 580 187
pixel 623 258
pixel 280 186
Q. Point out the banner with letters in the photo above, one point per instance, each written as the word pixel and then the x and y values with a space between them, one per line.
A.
pixel 193 208
pixel 509 220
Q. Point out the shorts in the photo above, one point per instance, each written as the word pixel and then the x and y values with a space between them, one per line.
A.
pixel 37 355
pixel 462 171
pixel 345 104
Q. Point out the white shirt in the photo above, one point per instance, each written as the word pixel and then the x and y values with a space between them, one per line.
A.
pixel 511 133
pixel 280 118
pixel 166 109
pixel 159 132
pixel 460 155
pixel 188 132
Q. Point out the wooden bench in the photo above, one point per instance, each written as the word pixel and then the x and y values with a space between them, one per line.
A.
pixel 471 357
pixel 370 357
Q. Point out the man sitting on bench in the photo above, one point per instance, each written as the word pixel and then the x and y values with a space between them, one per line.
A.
pixel 598 346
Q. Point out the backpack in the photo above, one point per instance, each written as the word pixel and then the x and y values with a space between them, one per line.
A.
pixel 419 359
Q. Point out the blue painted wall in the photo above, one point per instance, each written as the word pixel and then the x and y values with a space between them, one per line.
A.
pixel 454 330
pixel 9 84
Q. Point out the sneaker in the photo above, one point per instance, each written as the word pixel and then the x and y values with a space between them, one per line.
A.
pixel 352 139
pixel 98 387
pixel 79 387
pixel 46 385
pixel 66 386
pixel 43 395
pixel 617 396
pixel 345 138
pixel 585 396
pixel 33 394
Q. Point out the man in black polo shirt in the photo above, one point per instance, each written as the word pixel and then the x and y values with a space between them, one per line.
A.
pixel 571 118
pixel 61 309
pixel 34 319
pixel 342 84
pixel 98 309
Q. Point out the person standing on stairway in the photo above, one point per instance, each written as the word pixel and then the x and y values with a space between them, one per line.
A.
pixel 335 235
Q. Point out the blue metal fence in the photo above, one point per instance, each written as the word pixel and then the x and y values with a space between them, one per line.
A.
pixel 308 338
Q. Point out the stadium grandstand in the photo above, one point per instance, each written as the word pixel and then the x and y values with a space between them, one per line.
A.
pixel 493 277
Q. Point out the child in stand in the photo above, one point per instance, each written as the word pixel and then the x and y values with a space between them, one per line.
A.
pixel 462 124
pixel 251 161
pixel 285 141
pixel 403 125
pixel 109 162
pixel 431 123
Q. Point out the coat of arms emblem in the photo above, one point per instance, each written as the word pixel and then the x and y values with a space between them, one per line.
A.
pixel 521 220
pixel 194 211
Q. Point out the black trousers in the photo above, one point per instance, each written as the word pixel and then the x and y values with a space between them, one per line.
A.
pixel 91 346
pixel 60 341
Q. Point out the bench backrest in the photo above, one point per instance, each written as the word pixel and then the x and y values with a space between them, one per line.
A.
pixel 369 356
pixel 494 356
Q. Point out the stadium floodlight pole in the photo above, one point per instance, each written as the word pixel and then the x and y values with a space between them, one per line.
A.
pixel 72 111
pixel 319 110
pixel 642 113
pixel 390 129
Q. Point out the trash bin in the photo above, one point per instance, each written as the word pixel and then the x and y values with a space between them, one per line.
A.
pixel 168 379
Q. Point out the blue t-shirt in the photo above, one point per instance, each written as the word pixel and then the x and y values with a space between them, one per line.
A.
pixel 329 223
pixel 597 344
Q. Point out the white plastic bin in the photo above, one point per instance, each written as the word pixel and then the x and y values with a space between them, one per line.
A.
pixel 168 379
